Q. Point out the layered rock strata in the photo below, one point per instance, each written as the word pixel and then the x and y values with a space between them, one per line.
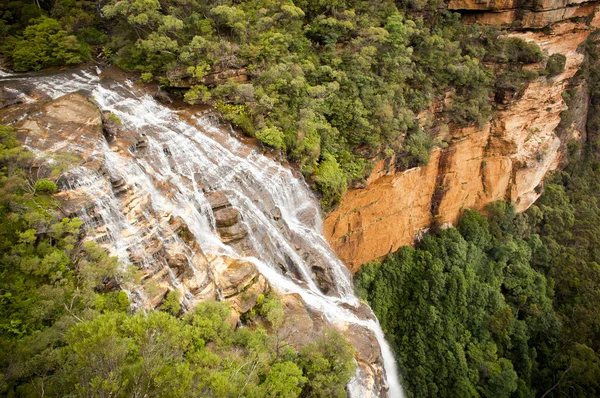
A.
pixel 521 14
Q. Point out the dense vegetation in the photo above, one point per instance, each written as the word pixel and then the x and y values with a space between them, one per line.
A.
pixel 66 331
pixel 503 305
pixel 331 83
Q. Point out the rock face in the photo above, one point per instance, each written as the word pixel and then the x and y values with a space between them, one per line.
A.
pixel 505 160
pixel 80 127
pixel 522 14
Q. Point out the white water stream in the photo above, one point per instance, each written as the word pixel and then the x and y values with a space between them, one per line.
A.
pixel 184 154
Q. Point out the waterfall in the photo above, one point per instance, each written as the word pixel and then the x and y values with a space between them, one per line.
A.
pixel 184 157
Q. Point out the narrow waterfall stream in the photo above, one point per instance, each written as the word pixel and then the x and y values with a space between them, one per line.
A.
pixel 181 159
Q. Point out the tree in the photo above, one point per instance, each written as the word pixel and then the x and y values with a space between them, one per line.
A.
pixel 45 44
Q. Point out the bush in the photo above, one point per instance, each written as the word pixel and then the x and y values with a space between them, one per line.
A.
pixel 45 186
pixel 271 136
pixel 330 180
pixel 45 44
pixel 555 65
pixel 518 50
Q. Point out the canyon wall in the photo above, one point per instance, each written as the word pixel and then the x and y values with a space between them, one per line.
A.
pixel 506 159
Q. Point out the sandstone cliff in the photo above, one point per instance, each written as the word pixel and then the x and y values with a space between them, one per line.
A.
pixel 506 159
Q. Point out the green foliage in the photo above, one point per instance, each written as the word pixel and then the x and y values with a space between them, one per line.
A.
pixel 555 65
pixel 114 118
pixel 328 364
pixel 510 298
pixel 271 136
pixel 330 180
pixel 45 44
pixel 515 50
pixel 476 291
pixel 171 303
pixel 347 79
pixel 45 186
pixel 196 94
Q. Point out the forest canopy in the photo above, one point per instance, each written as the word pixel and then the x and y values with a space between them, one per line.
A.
pixel 503 305
pixel 333 84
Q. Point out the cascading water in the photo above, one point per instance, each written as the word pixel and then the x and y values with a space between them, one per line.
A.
pixel 194 155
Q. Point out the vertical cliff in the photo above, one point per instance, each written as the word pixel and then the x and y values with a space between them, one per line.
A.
pixel 506 159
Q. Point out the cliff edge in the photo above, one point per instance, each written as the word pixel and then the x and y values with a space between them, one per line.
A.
pixel 506 159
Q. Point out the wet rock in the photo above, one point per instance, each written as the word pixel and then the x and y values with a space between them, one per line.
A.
pixel 300 324
pixel 307 215
pixel 233 275
pixel 362 311
pixel 119 185
pixel 109 285
pixel 226 217
pixel 177 260
pixel 162 96
pixel 245 301
pixel 70 123
pixel 179 227
pixel 110 125
pixel 74 203
pixel 8 98
pixel 141 143
pixel 275 213
pixel 155 286
pixel 368 356
pixel 365 343
pixel 217 200
pixel 232 234
pixel 200 285
pixel 323 279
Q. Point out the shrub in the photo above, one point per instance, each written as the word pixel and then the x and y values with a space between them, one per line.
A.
pixel 330 180
pixel 271 136
pixel 114 118
pixel 45 186
pixel 555 65
pixel 518 50
pixel 45 44
pixel 196 94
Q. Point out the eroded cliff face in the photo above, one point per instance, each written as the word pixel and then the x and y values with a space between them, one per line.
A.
pixel 506 159
pixel 522 13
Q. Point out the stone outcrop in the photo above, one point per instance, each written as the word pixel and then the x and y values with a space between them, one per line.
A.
pixel 80 127
pixel 506 159
pixel 522 14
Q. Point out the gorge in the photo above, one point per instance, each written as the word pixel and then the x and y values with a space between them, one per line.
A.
pixel 308 198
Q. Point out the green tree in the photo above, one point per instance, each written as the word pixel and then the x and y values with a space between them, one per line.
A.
pixel 45 44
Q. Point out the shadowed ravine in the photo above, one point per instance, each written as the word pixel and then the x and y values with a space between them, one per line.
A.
pixel 177 162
